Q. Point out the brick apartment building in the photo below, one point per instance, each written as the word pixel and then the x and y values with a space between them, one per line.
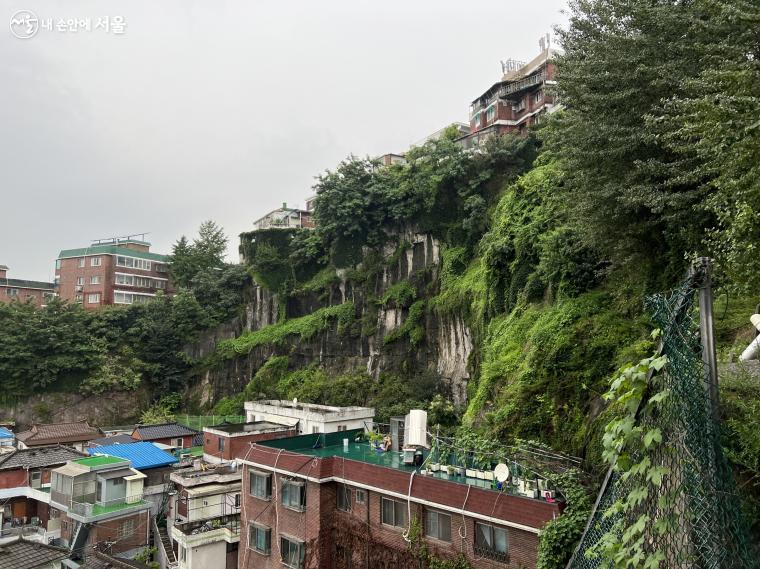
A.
pixel 114 271
pixel 311 502
pixel 37 292
pixel 515 102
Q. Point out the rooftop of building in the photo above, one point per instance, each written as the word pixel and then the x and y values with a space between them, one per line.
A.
pixel 248 428
pixel 522 72
pixel 274 405
pixel 38 457
pixel 98 461
pixel 142 455
pixel 23 554
pixel 6 433
pixel 113 440
pixel 207 474
pixel 111 249
pixel 99 560
pixel 163 431
pixel 23 283
pixel 53 433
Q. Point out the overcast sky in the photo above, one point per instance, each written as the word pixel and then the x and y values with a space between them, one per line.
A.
pixel 224 109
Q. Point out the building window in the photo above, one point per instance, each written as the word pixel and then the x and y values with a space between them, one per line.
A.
pixel 118 481
pixel 491 113
pixel 344 498
pixel 159 284
pixel 13 292
pixel 537 96
pixel 79 297
pixel 182 553
pixel 221 444
pixel 315 429
pixel 95 279
pixel 237 500
pixel 491 541
pixel 95 261
pixel 361 496
pixel 293 552
pixel 126 529
pixel 133 263
pixel 260 538
pixel 341 428
pixel 261 485
pixel 161 268
pixel 80 281
pixel 438 525
pixel 393 513
pixel 294 495
pixel 476 120
pixel 57 264
pixel 81 262
pixel 177 442
pixel 93 298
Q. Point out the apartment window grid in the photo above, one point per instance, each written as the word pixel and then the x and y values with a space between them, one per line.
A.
pixel 294 495
pixel 126 529
pixel 260 538
pixel 438 525
pixel 95 261
pixel 293 552
pixel 260 485
pixel 344 498
pixel 491 541
pixel 133 263
pixel 392 512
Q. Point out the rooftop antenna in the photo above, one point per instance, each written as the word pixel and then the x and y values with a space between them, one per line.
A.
pixel 119 238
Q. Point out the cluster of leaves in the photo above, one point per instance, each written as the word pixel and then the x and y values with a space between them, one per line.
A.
pixel 162 411
pixel 630 442
pixel 207 251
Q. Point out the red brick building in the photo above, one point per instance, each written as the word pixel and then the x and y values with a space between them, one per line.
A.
pixel 311 503
pixel 224 443
pixel 515 102
pixel 37 292
pixel 115 271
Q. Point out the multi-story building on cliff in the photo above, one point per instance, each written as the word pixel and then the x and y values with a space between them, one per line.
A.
pixel 37 292
pixel 285 218
pixel 309 417
pixel 112 271
pixel 515 102
pixel 335 501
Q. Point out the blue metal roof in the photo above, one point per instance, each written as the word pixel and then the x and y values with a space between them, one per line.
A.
pixel 6 434
pixel 142 454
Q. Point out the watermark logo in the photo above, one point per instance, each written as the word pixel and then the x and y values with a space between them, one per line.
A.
pixel 25 24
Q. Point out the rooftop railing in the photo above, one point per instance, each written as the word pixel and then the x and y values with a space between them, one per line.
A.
pixel 521 84
pixel 90 509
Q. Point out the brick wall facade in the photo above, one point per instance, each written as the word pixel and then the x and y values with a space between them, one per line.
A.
pixel 237 446
pixel 113 531
pixel 332 536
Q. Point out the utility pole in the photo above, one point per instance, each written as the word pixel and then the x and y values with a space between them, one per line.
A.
pixel 707 334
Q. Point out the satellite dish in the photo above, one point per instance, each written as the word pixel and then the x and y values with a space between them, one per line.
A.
pixel 501 472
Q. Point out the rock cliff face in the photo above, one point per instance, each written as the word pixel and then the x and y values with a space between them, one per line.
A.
pixel 413 257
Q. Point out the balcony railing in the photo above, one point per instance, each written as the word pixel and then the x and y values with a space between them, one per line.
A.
pixel 88 509
pixel 521 84
pixel 230 523
pixel 487 552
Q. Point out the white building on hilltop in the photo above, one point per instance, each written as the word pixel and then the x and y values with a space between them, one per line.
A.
pixel 310 418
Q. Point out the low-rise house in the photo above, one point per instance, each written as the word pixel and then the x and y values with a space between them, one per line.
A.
pixel 102 497
pixel 112 440
pixel 172 435
pixel 309 417
pixel 226 442
pixel 25 491
pixel 151 461
pixel 204 520
pixel 23 554
pixel 77 434
pixel 333 500
pixel 285 218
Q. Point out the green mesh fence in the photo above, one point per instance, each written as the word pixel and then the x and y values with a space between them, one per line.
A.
pixel 699 487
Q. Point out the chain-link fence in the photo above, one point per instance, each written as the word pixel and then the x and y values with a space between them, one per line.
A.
pixel 698 491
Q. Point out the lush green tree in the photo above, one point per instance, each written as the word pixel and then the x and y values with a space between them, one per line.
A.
pixel 207 251
pixel 624 186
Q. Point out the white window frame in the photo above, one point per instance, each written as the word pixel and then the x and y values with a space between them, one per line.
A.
pixel 433 525
pixel 95 280
pixel 398 506
pixel 253 488
pixel 96 296
pixel 300 552
pixel 253 533
pixel 81 262
pixel 96 261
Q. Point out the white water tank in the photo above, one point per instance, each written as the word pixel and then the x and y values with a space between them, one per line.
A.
pixel 415 428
